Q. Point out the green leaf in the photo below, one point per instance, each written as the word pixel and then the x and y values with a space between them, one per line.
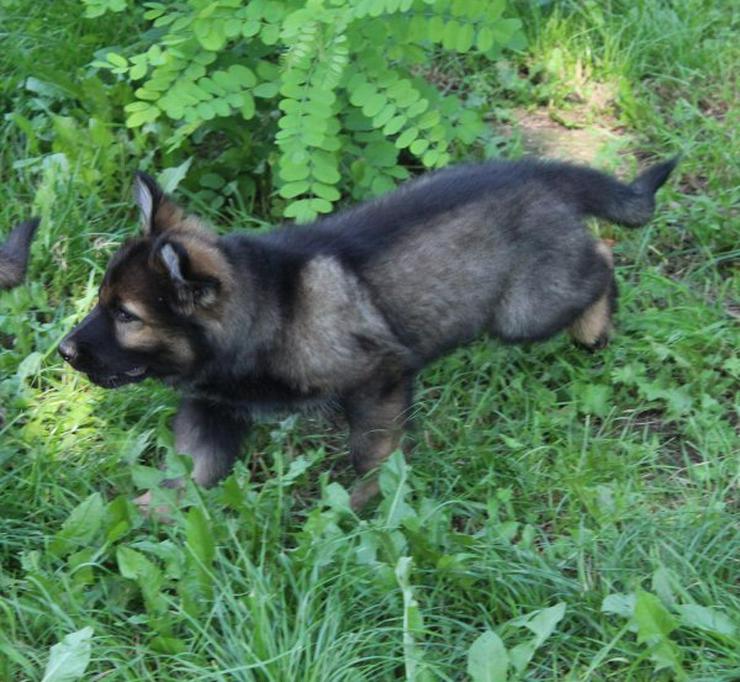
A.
pixel 430 158
pixel 394 125
pixel 662 584
pixel 146 478
pixel 384 115
pixel 221 106
pixel 137 71
pixel 248 107
pixel 266 90
pixel 373 104
pixel 321 205
pixel 199 538
pixel 117 60
pixel 324 167
pixel 29 366
pixel 362 94
pixel 80 527
pixel 465 37
pixel 407 137
pixel 654 625
pixel 325 191
pixel 450 35
pixel 232 27
pixel 270 33
pixel 487 659
pixel 484 39
pixel 69 659
pixel 381 153
pixel 290 171
pixel 436 28
pixel 209 33
pixel 336 497
pixel 504 29
pixel 418 147
pixel 135 566
pixel 652 618
pixel 542 623
pixel 241 75
pixel 212 181
pixel 293 189
pixel 428 120
pixel 706 618
pixel 170 178
pixel 417 108
pixel 300 210
pixel 138 118
pixel 619 604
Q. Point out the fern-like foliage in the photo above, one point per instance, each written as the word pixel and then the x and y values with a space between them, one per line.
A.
pixel 338 84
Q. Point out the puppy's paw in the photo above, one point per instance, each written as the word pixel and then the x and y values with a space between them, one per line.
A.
pixel 158 512
pixel 599 343
pixel 363 493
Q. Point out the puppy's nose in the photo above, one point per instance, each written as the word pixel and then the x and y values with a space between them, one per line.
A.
pixel 68 350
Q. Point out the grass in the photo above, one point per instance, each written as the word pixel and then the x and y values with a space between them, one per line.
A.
pixel 540 476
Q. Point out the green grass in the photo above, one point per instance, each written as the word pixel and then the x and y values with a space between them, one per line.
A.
pixel 540 476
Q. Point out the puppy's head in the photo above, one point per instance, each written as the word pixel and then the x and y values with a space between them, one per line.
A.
pixel 161 294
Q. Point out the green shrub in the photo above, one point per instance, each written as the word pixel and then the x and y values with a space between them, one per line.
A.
pixel 339 85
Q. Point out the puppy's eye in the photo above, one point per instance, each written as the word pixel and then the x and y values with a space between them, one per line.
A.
pixel 124 316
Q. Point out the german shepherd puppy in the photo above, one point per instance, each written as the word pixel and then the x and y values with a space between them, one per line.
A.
pixel 347 310
pixel 14 254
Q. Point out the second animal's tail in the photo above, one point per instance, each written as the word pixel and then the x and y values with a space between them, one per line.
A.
pixel 14 253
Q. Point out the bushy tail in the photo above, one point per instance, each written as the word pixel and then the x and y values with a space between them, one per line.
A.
pixel 14 254
pixel 631 205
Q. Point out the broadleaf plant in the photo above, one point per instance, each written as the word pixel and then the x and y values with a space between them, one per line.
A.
pixel 338 84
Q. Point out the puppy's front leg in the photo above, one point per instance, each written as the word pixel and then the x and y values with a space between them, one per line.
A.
pixel 211 435
pixel 377 418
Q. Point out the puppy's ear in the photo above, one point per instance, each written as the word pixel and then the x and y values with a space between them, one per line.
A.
pixel 159 214
pixel 148 196
pixel 195 274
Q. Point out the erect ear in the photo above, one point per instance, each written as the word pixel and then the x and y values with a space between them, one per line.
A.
pixel 148 196
pixel 193 271
pixel 159 213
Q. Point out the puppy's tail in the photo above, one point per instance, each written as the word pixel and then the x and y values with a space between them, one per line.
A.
pixel 14 253
pixel 631 205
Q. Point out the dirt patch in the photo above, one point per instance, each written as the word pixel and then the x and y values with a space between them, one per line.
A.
pixel 585 131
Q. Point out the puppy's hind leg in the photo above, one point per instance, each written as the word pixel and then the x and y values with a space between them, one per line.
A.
pixel 377 418
pixel 593 328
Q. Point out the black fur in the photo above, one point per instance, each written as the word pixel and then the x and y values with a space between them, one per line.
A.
pixel 14 253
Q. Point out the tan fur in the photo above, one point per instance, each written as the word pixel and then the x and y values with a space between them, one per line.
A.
pixel 169 217
pixel 207 259
pixel 316 348
pixel 138 309
pixel 595 322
